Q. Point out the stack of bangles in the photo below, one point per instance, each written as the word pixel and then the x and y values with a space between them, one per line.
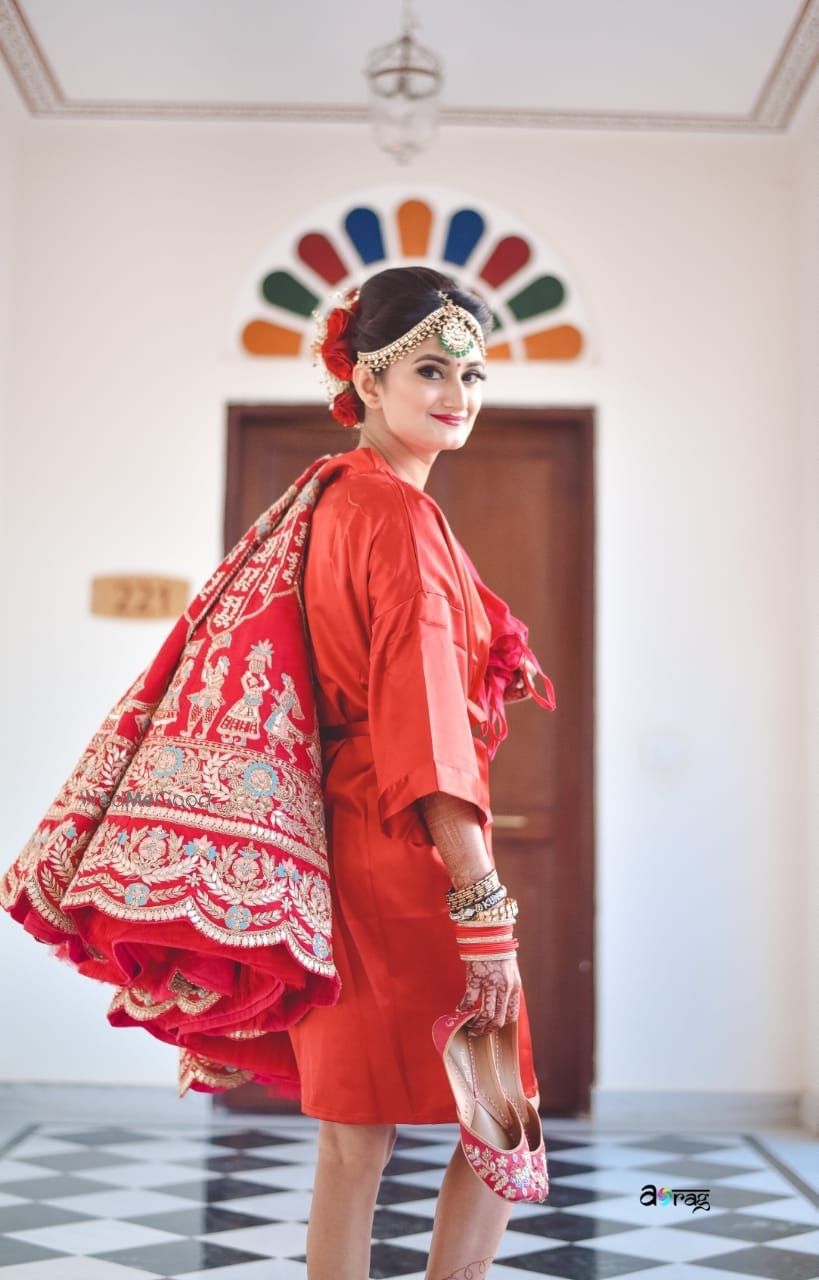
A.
pixel 485 917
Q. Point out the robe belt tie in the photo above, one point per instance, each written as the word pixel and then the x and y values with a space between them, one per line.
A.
pixel 358 728
pixel 355 729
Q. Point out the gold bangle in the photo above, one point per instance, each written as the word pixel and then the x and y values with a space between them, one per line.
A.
pixel 504 912
pixel 480 939
pixel 503 955
pixel 487 903
pixel 470 893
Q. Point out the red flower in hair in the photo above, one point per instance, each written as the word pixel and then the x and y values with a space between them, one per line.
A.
pixel 335 352
pixel 345 409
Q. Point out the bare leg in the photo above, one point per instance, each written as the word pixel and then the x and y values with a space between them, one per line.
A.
pixel 469 1223
pixel 351 1160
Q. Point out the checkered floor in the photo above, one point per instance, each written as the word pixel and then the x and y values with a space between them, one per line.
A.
pixel 231 1203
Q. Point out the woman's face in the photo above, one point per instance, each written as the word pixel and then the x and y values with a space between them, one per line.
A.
pixel 429 399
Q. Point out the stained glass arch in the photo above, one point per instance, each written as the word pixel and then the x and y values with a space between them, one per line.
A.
pixel 538 312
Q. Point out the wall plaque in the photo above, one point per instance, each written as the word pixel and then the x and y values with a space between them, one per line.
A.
pixel 139 595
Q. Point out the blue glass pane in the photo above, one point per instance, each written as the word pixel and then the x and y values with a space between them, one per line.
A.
pixel 364 229
pixel 465 230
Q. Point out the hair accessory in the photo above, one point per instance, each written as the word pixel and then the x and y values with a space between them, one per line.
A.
pixel 332 351
pixel 457 329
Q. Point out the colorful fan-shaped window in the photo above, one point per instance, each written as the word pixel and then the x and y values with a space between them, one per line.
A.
pixel 537 315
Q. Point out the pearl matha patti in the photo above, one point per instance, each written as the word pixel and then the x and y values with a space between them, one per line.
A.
pixel 458 333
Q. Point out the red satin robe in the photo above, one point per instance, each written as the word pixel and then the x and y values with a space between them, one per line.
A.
pixel 400 642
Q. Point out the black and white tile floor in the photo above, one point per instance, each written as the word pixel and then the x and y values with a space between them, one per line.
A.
pixel 229 1201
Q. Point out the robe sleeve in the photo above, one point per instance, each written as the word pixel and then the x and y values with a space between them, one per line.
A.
pixel 419 669
pixel 419 723
pixel 512 665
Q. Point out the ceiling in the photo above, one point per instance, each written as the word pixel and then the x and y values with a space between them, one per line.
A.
pixel 689 65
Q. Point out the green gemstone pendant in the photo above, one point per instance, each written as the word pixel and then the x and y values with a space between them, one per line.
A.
pixel 455 338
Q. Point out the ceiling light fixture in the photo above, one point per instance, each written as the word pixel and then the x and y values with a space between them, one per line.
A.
pixel 405 81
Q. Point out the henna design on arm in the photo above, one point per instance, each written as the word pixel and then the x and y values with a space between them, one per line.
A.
pixel 456 832
pixel 495 984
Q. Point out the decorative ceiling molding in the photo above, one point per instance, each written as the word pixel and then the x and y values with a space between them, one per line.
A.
pixel 772 112
pixel 791 73
pixel 38 86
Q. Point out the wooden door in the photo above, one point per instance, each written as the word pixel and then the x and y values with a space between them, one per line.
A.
pixel 520 498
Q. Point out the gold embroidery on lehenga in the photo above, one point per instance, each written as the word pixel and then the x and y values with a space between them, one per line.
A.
pixel 195 1069
pixel 56 847
pixel 139 1005
pixel 191 998
pixel 160 821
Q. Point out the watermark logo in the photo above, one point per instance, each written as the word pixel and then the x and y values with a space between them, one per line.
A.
pixel 139 799
pixel 694 1197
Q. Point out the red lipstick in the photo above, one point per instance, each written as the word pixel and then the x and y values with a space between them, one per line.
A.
pixel 451 419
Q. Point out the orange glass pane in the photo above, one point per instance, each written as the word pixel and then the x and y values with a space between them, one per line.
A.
pixel 500 351
pixel 414 225
pixel 564 342
pixel 261 338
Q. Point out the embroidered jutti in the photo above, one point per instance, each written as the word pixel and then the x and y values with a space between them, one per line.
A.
pixel 410 652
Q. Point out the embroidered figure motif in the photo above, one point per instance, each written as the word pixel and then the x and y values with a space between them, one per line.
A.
pixel 279 725
pixel 243 719
pixel 168 709
pixel 207 700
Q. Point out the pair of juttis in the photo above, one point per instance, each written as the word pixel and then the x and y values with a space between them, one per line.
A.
pixel 185 860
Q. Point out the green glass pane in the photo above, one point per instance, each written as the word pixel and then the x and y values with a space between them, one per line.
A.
pixel 543 294
pixel 284 290
pixel 498 323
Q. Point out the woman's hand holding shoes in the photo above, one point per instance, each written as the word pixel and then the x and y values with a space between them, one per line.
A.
pixel 495 986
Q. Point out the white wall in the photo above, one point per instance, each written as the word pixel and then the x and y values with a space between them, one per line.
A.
pixel 11 123
pixel 808 382
pixel 132 240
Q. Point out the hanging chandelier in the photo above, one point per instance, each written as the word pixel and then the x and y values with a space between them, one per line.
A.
pixel 405 81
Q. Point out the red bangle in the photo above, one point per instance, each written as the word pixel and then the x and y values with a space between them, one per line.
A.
pixel 477 937
pixel 496 944
pixel 485 928
pixel 491 949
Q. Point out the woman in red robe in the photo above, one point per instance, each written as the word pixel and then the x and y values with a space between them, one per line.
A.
pixel 401 639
